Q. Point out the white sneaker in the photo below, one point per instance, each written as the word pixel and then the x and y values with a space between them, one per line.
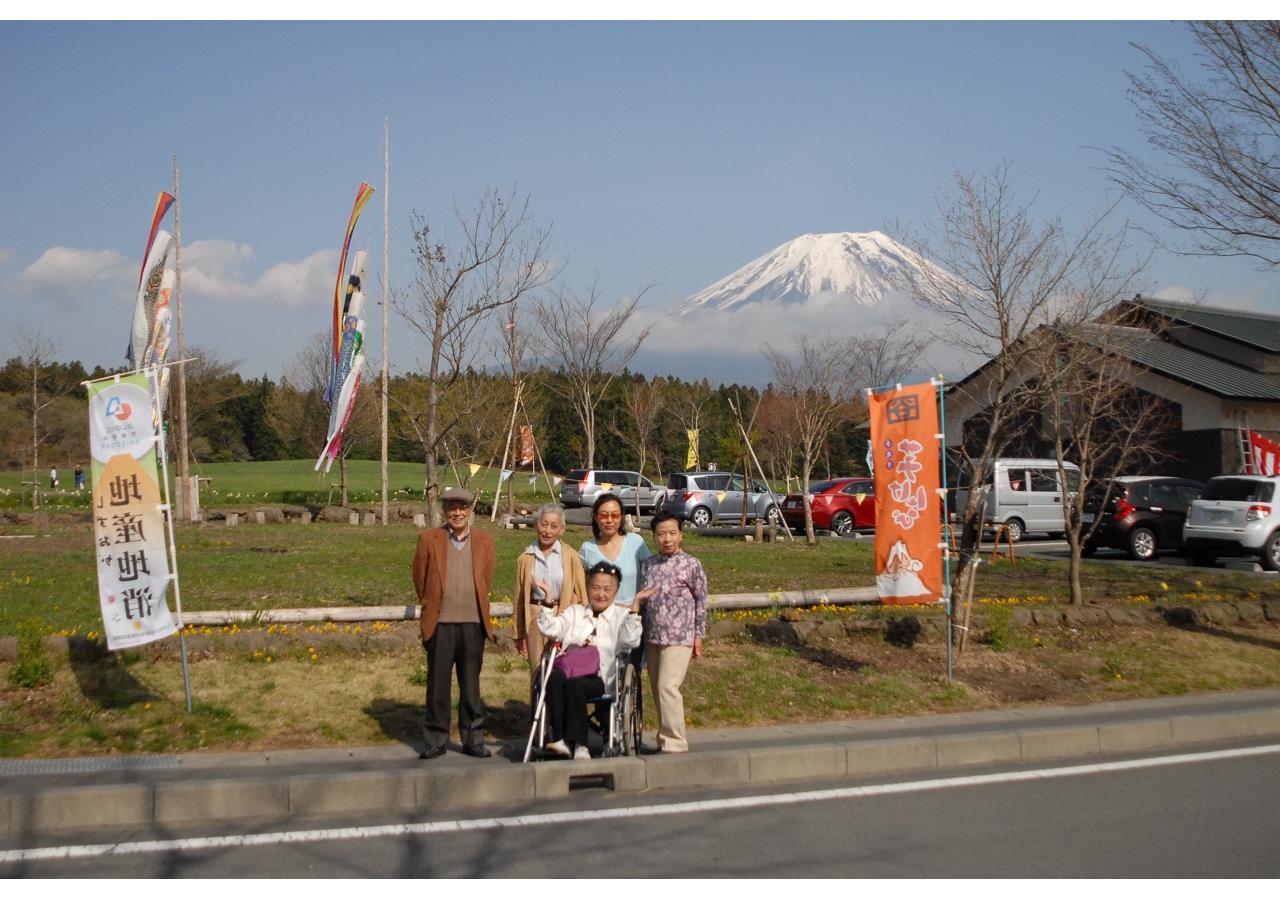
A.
pixel 559 748
pixel 581 753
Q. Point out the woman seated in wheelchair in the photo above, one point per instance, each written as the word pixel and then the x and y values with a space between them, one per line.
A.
pixel 591 638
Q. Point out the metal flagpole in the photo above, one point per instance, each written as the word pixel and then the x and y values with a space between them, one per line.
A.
pixel 173 545
pixel 942 494
pixel 189 498
pixel 937 383
pixel 386 287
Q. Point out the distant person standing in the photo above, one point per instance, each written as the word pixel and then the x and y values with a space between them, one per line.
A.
pixel 79 477
pixel 452 572
pixel 53 478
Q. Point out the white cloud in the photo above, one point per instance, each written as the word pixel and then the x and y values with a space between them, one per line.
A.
pixel 67 268
pixel 729 344
pixel 214 269
pixel 1250 298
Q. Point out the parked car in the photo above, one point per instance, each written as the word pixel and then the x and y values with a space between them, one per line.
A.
pixel 706 497
pixel 1237 515
pixel 1143 515
pixel 1025 495
pixel 580 487
pixel 841 505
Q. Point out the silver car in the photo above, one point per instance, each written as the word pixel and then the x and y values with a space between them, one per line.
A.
pixel 706 497
pixel 581 487
pixel 1237 515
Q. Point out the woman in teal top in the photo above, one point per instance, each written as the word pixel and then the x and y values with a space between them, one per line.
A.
pixel 614 544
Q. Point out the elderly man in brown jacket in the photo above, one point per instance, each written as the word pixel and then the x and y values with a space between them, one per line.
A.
pixel 452 572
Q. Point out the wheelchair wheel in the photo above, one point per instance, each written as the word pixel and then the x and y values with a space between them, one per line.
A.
pixel 631 703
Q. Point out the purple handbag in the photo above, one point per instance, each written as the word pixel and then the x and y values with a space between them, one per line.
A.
pixel 579 662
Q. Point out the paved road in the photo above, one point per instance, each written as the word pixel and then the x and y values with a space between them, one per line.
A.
pixel 1206 814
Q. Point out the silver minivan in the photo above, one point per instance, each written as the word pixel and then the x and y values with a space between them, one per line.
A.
pixel 580 487
pixel 705 497
pixel 1025 495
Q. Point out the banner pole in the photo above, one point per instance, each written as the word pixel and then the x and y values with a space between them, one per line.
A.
pixel 943 532
pixel 173 546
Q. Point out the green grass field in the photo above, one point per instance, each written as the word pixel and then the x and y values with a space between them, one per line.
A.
pixel 292 481
pixel 51 576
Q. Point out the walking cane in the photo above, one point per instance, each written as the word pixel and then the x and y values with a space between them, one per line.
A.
pixel 540 714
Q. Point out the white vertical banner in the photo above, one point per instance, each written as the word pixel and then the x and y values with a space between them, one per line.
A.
pixel 128 514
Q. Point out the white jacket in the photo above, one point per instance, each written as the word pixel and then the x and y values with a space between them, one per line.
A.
pixel 613 631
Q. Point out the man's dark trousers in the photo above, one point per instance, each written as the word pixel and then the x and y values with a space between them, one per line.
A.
pixel 461 646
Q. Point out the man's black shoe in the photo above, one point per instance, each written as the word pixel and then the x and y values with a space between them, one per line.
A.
pixel 481 752
pixel 431 753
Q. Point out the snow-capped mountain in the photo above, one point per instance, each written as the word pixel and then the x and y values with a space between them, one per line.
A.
pixel 864 265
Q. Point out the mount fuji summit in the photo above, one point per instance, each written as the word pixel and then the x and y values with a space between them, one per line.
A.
pixel 863 265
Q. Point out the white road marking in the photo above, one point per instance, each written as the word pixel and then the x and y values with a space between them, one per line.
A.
pixel 453 826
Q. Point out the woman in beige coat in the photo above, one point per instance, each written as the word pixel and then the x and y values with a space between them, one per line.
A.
pixel 549 573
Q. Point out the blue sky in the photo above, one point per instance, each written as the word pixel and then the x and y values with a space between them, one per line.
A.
pixel 663 154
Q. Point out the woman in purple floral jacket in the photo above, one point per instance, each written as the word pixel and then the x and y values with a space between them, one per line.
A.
pixel 674 592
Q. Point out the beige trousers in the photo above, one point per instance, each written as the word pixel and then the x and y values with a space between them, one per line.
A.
pixel 667 668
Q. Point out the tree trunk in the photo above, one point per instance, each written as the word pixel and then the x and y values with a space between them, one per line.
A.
pixel 433 482
pixel 35 437
pixel 342 475
pixel 809 537
pixel 1073 570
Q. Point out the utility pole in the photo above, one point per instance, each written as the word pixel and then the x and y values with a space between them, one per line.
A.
pixel 188 499
pixel 386 289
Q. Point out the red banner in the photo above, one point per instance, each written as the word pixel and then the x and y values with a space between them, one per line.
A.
pixel 904 441
pixel 526 446
pixel 1266 455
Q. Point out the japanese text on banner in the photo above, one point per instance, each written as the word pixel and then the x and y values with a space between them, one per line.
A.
pixel 128 522
pixel 905 453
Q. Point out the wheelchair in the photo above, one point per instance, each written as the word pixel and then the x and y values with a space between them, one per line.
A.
pixel 616 717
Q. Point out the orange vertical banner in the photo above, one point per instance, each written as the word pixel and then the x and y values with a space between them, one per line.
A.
pixel 905 450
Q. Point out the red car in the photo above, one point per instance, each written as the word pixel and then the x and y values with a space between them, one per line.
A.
pixel 840 505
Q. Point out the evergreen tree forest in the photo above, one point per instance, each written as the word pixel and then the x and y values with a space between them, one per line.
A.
pixel 232 418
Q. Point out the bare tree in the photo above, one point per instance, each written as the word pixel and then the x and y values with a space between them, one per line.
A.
pixel 36 352
pixel 821 387
pixel 1222 138
pixel 691 405
pixel 643 401
pixel 1002 275
pixel 584 343
pixel 889 353
pixel 497 258
pixel 775 447
pixel 1094 418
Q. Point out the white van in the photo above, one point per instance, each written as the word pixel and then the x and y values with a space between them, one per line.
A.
pixel 1025 495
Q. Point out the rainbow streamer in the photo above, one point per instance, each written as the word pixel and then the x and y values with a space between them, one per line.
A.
pixel 362 197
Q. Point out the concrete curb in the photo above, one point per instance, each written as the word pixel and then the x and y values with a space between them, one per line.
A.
pixel 206 790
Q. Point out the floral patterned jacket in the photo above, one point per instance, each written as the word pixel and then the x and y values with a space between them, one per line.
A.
pixel 677 612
